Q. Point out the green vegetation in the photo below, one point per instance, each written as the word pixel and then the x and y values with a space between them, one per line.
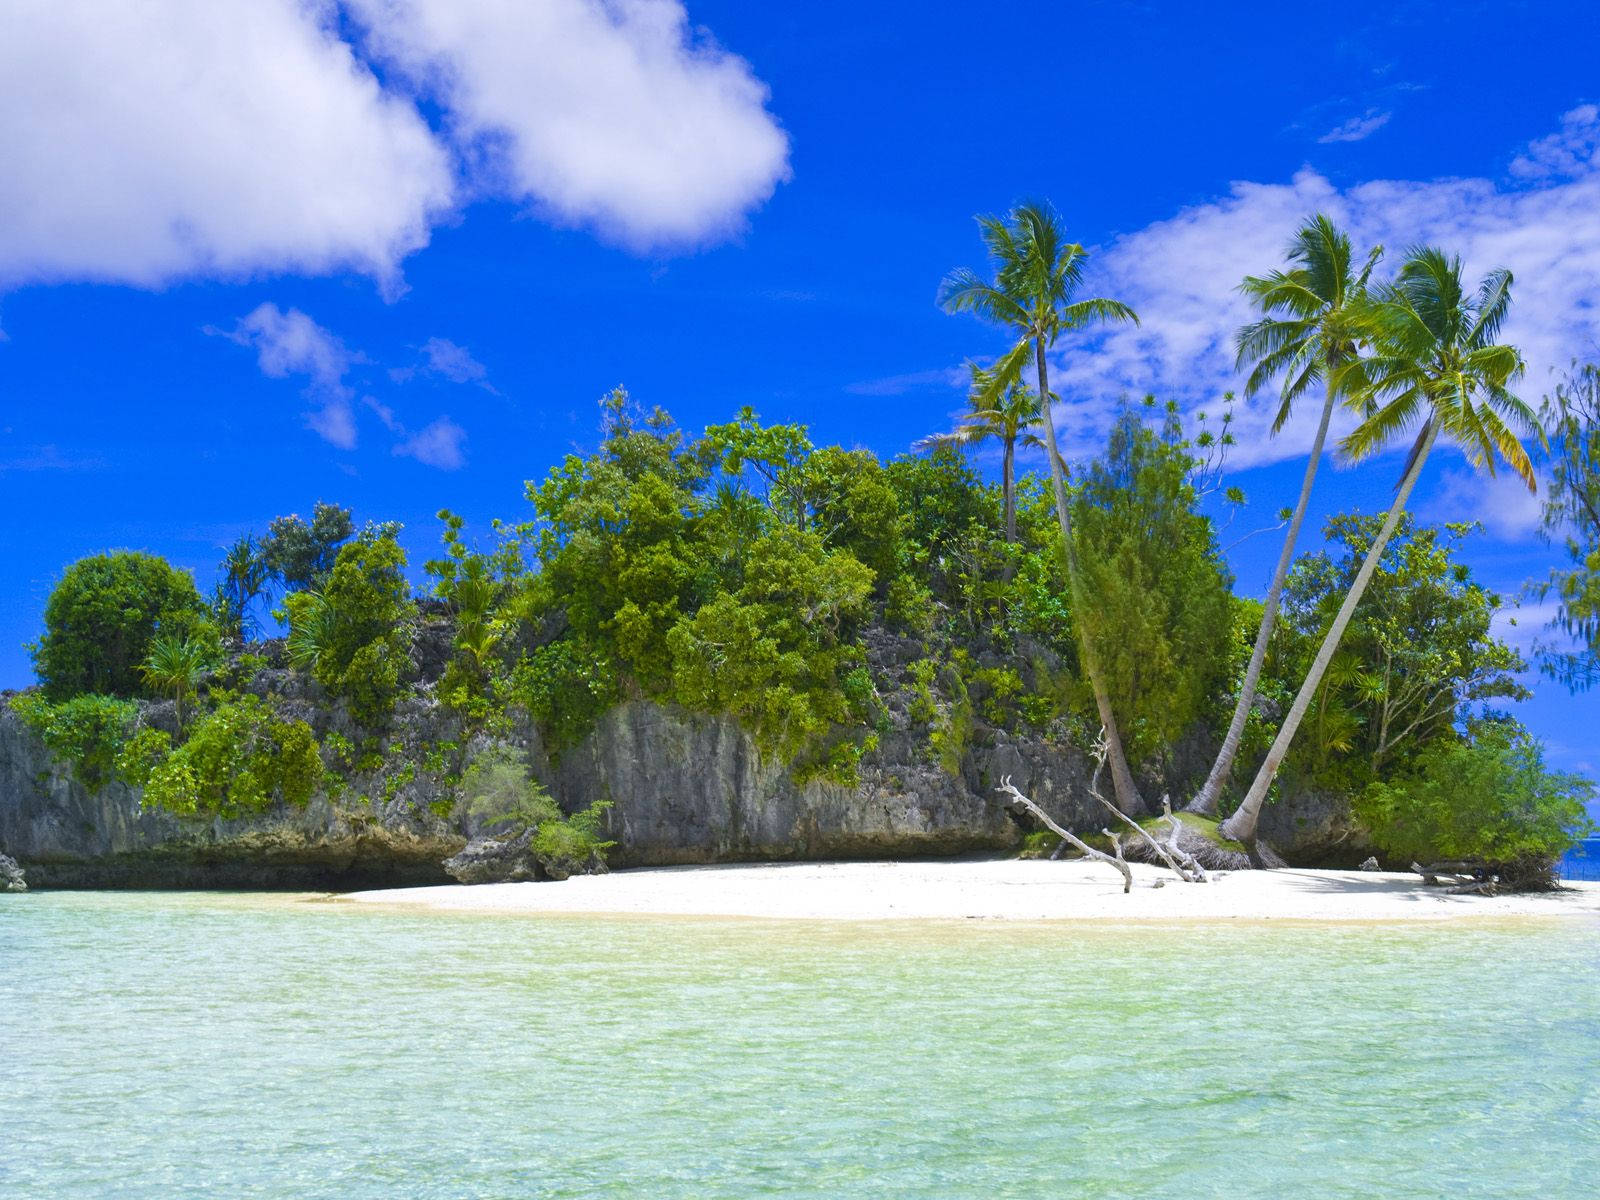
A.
pixel 87 731
pixel 1572 514
pixel 831 602
pixel 237 761
pixel 501 793
pixel 103 616
pixel 353 635
pixel 1486 798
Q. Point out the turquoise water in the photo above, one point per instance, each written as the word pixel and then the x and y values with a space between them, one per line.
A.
pixel 221 1046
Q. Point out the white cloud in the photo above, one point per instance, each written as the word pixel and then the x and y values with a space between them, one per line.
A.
pixel 439 445
pixel 1501 503
pixel 444 358
pixel 181 138
pixel 1181 275
pixel 174 139
pixel 291 343
pixel 1357 129
pixel 614 115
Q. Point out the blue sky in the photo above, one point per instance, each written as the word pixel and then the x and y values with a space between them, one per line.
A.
pixel 390 254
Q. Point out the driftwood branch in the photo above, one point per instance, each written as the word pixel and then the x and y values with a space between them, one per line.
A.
pixel 1182 863
pixel 1087 850
pixel 1459 878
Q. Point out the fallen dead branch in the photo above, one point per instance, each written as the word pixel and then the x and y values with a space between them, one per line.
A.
pixel 1070 838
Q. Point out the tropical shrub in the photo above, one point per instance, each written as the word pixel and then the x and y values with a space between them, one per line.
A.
pixel 87 731
pixel 1488 798
pixel 238 760
pixel 775 653
pixel 501 793
pixel 354 634
pixel 104 614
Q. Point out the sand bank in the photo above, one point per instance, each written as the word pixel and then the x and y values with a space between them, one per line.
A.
pixel 995 890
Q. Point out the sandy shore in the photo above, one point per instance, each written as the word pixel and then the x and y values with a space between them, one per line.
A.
pixel 995 890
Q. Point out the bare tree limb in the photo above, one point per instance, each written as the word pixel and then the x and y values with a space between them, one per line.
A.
pixel 1087 850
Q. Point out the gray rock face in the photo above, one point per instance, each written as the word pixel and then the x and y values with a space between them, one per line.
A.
pixel 494 860
pixel 66 836
pixel 691 788
pixel 1311 828
pixel 11 879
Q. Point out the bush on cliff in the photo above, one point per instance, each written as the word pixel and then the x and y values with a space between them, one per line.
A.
pixel 103 616
pixel 238 760
pixel 1488 799
pixel 87 731
pixel 502 794
pixel 353 635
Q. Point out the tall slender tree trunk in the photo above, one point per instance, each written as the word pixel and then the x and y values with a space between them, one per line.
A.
pixel 1205 802
pixel 1008 489
pixel 1126 791
pixel 1242 825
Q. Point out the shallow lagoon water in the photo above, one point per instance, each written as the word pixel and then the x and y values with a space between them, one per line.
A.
pixel 190 1045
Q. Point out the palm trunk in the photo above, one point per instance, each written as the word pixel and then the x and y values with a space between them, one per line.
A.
pixel 1242 825
pixel 1205 802
pixel 1127 794
pixel 1008 489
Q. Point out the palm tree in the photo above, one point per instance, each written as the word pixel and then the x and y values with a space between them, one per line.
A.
pixel 1435 363
pixel 1038 274
pixel 1309 331
pixel 177 663
pixel 1007 411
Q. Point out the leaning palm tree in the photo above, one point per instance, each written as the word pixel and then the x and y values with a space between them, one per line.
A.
pixel 1006 411
pixel 1309 331
pixel 1435 364
pixel 176 664
pixel 1038 274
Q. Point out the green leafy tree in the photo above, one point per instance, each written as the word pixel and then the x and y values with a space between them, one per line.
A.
pixel 1156 589
pixel 777 654
pixel 1418 654
pixel 103 616
pixel 242 579
pixel 1004 411
pixel 176 665
pixel 853 507
pixel 946 509
pixel 238 760
pixel 1038 275
pixel 502 794
pixel 1572 514
pixel 86 730
pixel 300 554
pixel 1311 328
pixel 354 635
pixel 477 586
pixel 774 456
pixel 615 538
pixel 1487 799
pixel 1436 363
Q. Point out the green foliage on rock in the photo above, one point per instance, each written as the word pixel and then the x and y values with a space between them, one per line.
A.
pixel 353 635
pixel 501 794
pixel 238 760
pixel 776 652
pixel 1487 798
pixel 87 731
pixel 104 614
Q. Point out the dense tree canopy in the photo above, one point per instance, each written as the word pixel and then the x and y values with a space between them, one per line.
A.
pixel 103 616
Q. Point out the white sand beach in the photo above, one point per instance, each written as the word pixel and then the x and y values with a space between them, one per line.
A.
pixel 1017 890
